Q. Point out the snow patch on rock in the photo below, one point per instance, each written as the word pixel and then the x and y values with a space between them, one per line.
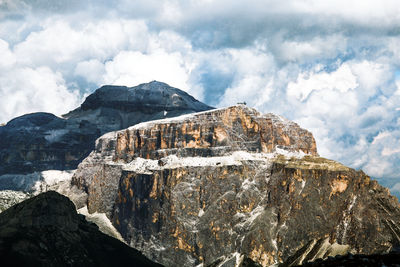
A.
pixel 50 178
pixel 176 119
pixel 28 185
pixel 147 166
pixel 36 182
pixel 55 135
pixel 289 154
pixel 201 213
pixel 101 220
pixel 9 198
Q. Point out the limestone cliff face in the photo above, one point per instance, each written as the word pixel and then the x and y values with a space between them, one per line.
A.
pixel 224 185
pixel 213 134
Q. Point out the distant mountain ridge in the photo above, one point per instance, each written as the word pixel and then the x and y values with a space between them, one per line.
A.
pixel 148 98
pixel 42 141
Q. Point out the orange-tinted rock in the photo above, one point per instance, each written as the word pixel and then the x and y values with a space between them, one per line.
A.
pixel 213 133
pixel 214 186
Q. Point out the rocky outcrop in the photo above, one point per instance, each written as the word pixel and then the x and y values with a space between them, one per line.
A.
pixel 231 184
pixel 209 134
pixel 46 231
pixel 117 107
pixel 236 260
pixel 147 98
pixel 213 134
pixel 42 141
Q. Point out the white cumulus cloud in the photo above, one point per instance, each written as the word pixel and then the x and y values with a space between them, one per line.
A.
pixel 132 68
pixel 332 66
pixel 27 90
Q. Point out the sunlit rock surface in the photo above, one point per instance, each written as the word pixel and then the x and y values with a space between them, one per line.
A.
pixel 224 185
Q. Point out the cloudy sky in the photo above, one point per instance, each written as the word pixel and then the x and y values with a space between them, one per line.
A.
pixel 331 66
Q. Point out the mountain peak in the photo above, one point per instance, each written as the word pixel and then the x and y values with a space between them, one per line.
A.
pixel 154 85
pixel 33 119
pixel 230 183
pixel 41 141
pixel 155 96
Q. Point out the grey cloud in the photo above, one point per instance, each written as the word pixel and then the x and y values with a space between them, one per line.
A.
pixel 54 5
pixel 229 51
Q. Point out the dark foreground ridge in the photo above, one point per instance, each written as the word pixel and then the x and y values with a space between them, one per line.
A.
pixel 42 141
pixel 389 259
pixel 46 231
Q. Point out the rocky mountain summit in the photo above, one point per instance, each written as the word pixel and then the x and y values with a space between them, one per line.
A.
pixel 223 186
pixel 42 141
pixel 118 107
pixel 46 231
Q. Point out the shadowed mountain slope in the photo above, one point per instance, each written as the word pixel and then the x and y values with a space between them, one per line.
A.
pixel 46 231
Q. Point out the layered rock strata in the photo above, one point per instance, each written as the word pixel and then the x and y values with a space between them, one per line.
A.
pixel 230 184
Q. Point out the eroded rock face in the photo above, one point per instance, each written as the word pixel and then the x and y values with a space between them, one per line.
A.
pixel 205 134
pixel 213 133
pixel 42 141
pixel 231 184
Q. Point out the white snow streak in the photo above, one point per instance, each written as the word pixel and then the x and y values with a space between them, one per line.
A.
pixel 146 166
pixel 50 178
pixel 102 222
pixel 347 218
pixel 55 135
pixel 201 213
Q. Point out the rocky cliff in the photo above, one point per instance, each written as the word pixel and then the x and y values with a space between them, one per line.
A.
pixel 224 185
pixel 42 141
pixel 46 231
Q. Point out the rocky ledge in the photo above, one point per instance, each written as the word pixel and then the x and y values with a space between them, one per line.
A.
pixel 225 186
pixel 46 231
